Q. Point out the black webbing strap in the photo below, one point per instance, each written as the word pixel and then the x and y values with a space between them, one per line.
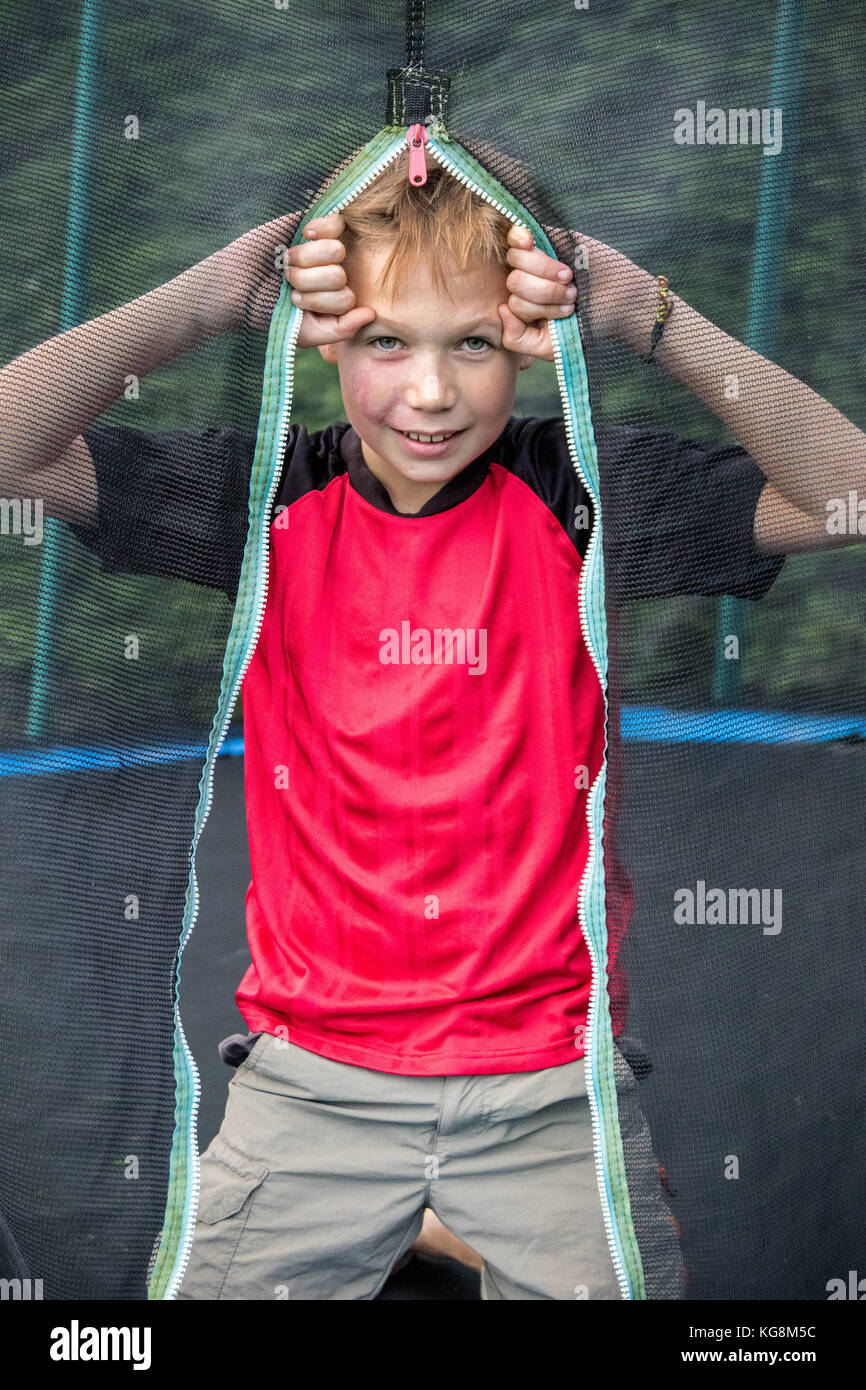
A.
pixel 413 94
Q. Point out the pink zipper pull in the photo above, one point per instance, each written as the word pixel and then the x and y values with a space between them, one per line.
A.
pixel 417 138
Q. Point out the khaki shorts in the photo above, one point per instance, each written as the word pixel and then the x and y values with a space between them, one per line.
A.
pixel 319 1176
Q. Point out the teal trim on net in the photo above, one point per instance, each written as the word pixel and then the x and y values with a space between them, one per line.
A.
pixel 249 609
pixel 177 1231
pixel 601 1083
pixel 182 1197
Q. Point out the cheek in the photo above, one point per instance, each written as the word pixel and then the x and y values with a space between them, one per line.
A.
pixel 369 388
pixel 498 386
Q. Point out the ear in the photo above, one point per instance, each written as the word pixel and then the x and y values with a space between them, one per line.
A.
pixel 329 352
pixel 526 360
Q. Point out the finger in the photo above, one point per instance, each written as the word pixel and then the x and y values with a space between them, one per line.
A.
pixel 324 252
pixel 531 312
pixel 537 262
pixel 316 277
pixel 518 336
pixel 532 288
pixel 518 235
pixel 331 226
pixel 513 329
pixel 337 328
pixel 324 301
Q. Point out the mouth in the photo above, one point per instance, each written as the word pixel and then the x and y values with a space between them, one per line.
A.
pixel 429 445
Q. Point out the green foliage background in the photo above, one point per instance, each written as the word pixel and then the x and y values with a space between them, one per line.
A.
pixel 210 164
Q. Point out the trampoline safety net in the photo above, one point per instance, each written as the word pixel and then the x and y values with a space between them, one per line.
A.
pixel 715 802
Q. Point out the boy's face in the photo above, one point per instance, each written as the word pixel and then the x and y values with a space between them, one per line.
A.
pixel 427 365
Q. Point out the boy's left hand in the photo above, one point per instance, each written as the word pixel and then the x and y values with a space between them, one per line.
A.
pixel 617 292
pixel 540 288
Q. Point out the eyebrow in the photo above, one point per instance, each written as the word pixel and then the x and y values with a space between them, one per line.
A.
pixel 463 330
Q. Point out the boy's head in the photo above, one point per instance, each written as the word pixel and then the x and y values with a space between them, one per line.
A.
pixel 431 261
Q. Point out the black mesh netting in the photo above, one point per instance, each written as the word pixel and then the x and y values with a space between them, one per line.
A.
pixel 719 145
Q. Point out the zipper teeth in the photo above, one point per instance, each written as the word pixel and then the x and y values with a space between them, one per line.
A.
pixel 470 183
pixel 195 1173
pixel 593 839
pixel 194 1165
pixel 613 1243
pixel 369 178
pixel 193 1157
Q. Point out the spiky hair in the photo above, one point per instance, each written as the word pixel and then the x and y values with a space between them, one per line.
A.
pixel 441 221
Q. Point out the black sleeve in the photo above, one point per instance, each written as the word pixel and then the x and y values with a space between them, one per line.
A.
pixel 537 452
pixel 173 503
pixel 679 517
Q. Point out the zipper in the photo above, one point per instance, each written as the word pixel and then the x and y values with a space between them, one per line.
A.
pixel 187 1152
pixel 185 1166
pixel 596 646
pixel 416 137
pixel 169 1269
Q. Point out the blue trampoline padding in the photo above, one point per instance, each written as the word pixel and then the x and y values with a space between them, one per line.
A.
pixel 639 723
pixel 652 724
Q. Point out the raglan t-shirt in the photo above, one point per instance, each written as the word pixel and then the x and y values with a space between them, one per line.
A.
pixel 422 717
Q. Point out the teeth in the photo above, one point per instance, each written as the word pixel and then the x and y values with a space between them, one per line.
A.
pixel 428 438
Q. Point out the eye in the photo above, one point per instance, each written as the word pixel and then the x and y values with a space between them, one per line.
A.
pixel 477 345
pixel 383 343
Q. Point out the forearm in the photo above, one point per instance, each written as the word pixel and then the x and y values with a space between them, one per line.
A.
pixel 806 448
pixel 51 393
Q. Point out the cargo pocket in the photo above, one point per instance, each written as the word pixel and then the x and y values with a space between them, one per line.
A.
pixel 229 1180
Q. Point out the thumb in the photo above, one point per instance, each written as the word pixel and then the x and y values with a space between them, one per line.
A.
pixel 336 328
pixel 515 333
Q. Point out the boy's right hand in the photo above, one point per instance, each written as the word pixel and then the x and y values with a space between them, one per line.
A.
pixel 243 281
pixel 320 287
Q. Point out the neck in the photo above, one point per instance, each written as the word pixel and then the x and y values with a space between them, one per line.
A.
pixel 406 496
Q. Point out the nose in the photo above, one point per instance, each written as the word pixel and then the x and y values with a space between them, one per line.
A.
pixel 430 386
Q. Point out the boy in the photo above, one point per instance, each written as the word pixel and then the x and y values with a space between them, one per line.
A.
pixel 418 976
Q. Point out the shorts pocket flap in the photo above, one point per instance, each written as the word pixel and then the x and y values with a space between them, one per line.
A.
pixel 231 1177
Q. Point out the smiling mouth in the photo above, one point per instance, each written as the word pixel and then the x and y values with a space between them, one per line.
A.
pixel 437 438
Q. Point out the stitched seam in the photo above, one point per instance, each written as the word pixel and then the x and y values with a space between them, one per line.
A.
pixel 250 1199
pixel 563 530
pixel 436 1132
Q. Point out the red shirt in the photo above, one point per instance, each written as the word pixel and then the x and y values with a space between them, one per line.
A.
pixel 417 839
pixel 416 708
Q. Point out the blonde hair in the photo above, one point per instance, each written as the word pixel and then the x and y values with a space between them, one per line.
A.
pixel 441 221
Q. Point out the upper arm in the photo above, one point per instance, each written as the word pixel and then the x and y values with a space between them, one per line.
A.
pixel 169 504
pixel 782 529
pixel 681 518
pixel 67 486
